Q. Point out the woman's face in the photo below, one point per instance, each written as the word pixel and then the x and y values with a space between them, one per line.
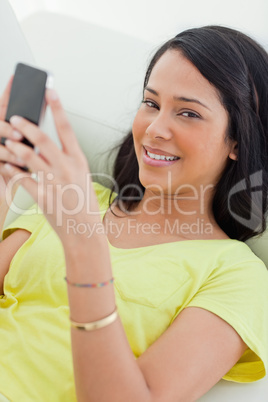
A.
pixel 180 129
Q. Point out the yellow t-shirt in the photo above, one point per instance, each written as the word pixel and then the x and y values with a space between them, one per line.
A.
pixel 152 284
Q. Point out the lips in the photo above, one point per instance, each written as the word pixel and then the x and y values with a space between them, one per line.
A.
pixel 158 158
pixel 159 152
pixel 161 157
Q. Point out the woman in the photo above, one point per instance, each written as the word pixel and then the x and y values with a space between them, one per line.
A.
pixel 192 298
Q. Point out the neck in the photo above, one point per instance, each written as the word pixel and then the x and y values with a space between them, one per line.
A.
pixel 187 216
pixel 187 207
pixel 184 216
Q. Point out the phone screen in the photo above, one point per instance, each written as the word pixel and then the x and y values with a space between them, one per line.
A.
pixel 27 94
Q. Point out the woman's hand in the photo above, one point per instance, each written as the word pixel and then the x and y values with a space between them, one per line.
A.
pixel 8 186
pixel 60 181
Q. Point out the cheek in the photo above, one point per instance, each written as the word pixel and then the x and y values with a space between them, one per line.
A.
pixel 135 126
pixel 218 147
pixel 138 129
pixel 138 126
pixel 216 157
pixel 137 133
pixel 191 146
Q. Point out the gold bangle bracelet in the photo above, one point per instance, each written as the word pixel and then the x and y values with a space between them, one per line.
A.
pixel 91 326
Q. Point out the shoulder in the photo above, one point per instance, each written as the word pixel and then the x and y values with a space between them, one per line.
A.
pixel 30 220
pixel 236 259
pixel 104 195
pixel 236 289
pixel 223 255
pixel 231 271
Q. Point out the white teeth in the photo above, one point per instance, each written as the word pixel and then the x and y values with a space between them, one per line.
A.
pixel 161 157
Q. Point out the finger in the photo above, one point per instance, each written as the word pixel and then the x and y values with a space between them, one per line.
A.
pixel 5 98
pixel 27 156
pixel 65 132
pixel 48 150
pixel 7 156
pixel 6 189
pixel 7 131
pixel 16 177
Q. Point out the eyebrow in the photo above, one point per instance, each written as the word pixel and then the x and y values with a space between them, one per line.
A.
pixel 179 98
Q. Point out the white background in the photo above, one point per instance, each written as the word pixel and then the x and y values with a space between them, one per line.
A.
pixel 157 20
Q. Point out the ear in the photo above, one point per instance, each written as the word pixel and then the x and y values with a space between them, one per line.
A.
pixel 234 151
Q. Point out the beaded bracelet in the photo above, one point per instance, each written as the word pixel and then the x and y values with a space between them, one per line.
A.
pixel 91 326
pixel 90 285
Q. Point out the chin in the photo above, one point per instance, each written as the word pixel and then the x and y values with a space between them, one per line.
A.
pixel 154 183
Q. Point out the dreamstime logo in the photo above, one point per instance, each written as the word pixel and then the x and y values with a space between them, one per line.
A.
pixel 256 197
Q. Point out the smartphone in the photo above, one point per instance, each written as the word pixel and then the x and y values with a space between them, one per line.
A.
pixel 27 96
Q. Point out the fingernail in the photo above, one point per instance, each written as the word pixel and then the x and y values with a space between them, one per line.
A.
pixel 16 135
pixel 52 94
pixel 15 120
pixel 9 143
pixel 19 161
pixel 7 166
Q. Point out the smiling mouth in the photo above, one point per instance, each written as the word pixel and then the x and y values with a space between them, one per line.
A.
pixel 159 157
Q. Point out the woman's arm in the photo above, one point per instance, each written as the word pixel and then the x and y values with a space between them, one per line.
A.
pixel 183 364
pixel 8 249
pixel 187 360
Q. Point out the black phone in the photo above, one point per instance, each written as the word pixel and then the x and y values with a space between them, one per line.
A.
pixel 27 96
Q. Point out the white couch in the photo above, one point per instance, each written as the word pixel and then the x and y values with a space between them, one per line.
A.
pixel 98 75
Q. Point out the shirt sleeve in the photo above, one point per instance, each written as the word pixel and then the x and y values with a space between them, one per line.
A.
pixel 103 195
pixel 239 295
pixel 28 221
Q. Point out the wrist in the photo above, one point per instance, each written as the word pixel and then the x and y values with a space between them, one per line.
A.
pixel 82 247
pixel 82 233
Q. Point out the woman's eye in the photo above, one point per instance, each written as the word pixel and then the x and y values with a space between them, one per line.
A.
pixel 190 114
pixel 150 103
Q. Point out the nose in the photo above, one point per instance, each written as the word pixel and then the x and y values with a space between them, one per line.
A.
pixel 160 128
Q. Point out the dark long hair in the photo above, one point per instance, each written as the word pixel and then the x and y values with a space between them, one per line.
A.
pixel 237 66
